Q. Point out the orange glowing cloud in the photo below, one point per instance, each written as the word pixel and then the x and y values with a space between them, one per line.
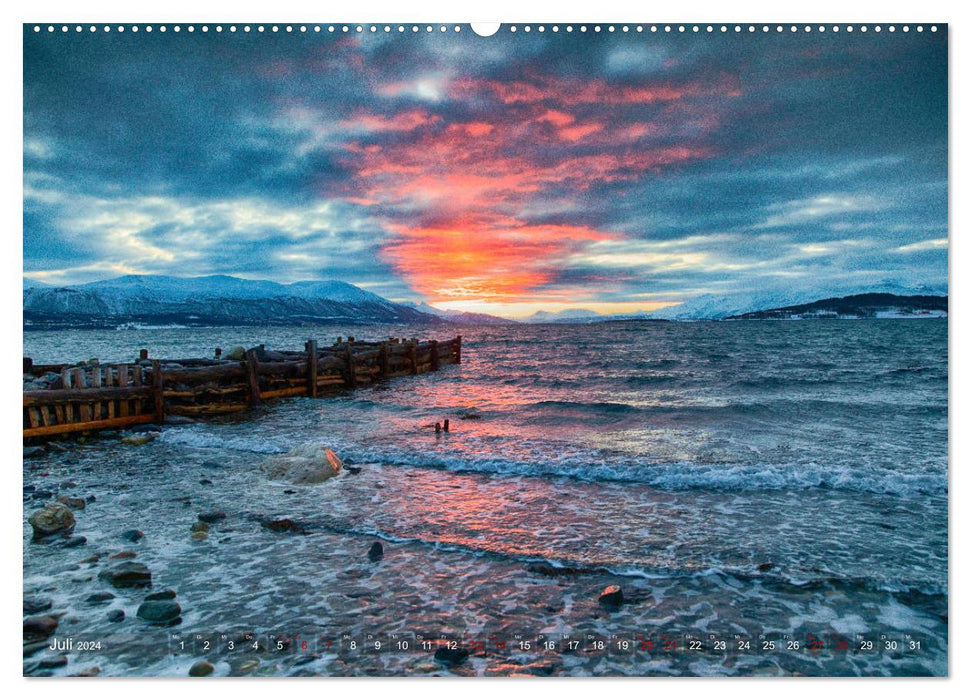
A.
pixel 461 193
pixel 484 259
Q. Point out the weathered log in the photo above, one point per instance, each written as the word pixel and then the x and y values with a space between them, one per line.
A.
pixel 383 359
pixel 227 370
pixel 312 368
pixel 53 396
pixel 212 409
pixel 87 425
pixel 280 393
pixel 157 390
pixel 351 378
pixel 252 375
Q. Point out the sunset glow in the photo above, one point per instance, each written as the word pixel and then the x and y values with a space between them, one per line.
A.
pixel 510 174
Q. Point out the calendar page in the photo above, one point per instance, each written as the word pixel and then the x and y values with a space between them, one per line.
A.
pixel 441 350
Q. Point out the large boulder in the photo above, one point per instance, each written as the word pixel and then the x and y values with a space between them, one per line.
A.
pixel 306 464
pixel 53 518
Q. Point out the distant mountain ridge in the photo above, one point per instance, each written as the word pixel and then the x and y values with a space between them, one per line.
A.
pixel 213 300
pixel 855 306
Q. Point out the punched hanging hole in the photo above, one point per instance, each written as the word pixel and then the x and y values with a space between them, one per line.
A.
pixel 485 28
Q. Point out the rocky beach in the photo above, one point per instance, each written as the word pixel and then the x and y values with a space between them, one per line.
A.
pixel 683 490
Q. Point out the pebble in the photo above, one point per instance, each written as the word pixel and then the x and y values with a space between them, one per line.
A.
pixel 611 597
pixel 39 627
pixel 98 598
pixel 376 552
pixel 36 604
pixel 212 516
pixel 116 615
pixel 70 502
pixel 137 440
pixel 199 526
pixel 201 668
pixel 132 535
pixel 451 657
pixel 128 574
pixel 283 525
pixel 126 554
pixel 248 666
pixel 167 594
pixel 159 611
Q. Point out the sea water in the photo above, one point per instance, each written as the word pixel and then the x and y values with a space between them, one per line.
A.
pixel 741 481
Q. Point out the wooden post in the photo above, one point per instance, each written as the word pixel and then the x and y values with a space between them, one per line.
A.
pixel 413 356
pixel 219 352
pixel 157 390
pixel 445 427
pixel 254 378
pixel 28 365
pixel 383 361
pixel 458 349
pixel 435 357
pixel 143 354
pixel 312 368
pixel 351 374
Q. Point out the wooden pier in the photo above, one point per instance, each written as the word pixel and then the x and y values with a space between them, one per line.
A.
pixel 92 397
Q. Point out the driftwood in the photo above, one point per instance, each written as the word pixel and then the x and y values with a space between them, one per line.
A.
pixel 96 397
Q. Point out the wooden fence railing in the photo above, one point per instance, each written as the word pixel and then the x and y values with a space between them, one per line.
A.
pixel 98 397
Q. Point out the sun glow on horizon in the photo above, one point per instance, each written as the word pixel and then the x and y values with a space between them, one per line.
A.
pixel 516 310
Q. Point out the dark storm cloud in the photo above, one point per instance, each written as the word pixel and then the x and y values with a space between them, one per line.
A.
pixel 613 167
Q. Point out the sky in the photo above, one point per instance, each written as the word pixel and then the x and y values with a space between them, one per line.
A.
pixel 615 172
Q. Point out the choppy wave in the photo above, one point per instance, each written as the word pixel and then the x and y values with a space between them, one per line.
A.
pixel 593 467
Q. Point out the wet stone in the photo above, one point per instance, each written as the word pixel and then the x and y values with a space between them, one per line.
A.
pixel 129 574
pixel 167 594
pixel 53 518
pixel 39 627
pixel 125 554
pixel 376 552
pixel 611 597
pixel 132 535
pixel 283 525
pixel 116 615
pixel 99 598
pixel 451 657
pixel 75 541
pixel 212 516
pixel 159 611
pixel 201 668
pixel 52 662
pixel 36 604
pixel 71 502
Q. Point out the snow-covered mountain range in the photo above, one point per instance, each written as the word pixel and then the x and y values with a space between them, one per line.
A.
pixel 213 300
